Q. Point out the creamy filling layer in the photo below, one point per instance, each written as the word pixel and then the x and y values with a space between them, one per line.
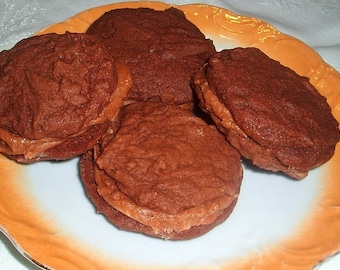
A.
pixel 211 102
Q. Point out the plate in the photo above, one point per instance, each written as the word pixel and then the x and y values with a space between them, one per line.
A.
pixel 278 223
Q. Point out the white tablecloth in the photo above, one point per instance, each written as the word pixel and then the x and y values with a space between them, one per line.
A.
pixel 316 22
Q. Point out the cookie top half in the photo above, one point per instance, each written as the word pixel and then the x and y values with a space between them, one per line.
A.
pixel 161 48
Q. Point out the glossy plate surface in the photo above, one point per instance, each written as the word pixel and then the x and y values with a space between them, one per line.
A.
pixel 278 223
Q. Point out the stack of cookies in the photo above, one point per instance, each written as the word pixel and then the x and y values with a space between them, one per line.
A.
pixel 122 97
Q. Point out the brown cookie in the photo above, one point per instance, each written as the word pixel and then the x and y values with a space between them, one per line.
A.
pixel 273 116
pixel 59 95
pixel 163 172
pixel 161 48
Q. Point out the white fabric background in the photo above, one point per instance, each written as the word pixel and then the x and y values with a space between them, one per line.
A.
pixel 316 22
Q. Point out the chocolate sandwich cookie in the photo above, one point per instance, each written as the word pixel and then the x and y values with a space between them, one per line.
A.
pixel 273 116
pixel 163 172
pixel 59 94
pixel 161 48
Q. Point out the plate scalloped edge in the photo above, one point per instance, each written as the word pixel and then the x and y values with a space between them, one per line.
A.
pixel 313 243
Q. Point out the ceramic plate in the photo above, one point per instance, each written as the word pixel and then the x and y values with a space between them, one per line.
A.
pixel 278 223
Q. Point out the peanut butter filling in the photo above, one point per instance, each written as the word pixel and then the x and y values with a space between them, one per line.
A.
pixel 221 114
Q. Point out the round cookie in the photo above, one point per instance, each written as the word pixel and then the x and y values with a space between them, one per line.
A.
pixel 161 48
pixel 273 116
pixel 59 95
pixel 163 172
